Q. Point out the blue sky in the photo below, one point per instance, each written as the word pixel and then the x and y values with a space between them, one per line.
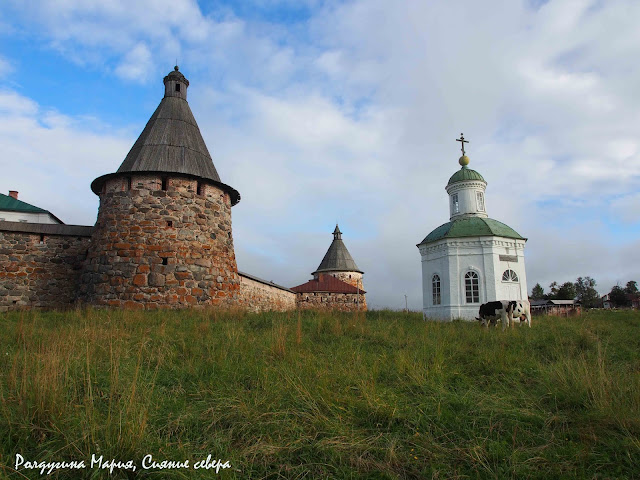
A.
pixel 320 112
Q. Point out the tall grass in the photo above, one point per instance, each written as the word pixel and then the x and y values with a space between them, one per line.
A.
pixel 318 395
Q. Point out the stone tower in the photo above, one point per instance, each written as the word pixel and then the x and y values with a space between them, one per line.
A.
pixel 336 284
pixel 338 263
pixel 472 259
pixel 163 233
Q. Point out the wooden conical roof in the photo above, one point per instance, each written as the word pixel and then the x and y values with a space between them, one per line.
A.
pixel 171 141
pixel 337 258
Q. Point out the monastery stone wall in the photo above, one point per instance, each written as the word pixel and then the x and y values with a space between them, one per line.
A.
pixel 40 271
pixel 344 302
pixel 258 296
pixel 156 248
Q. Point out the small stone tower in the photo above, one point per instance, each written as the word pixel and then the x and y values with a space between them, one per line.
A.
pixel 163 233
pixel 338 263
pixel 336 284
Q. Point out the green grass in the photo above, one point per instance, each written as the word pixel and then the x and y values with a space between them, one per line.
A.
pixel 321 396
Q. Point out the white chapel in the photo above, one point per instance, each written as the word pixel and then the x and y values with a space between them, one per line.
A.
pixel 472 259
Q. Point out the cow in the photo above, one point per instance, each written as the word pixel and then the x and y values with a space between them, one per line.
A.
pixel 506 310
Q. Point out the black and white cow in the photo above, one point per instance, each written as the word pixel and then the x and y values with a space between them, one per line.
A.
pixel 506 310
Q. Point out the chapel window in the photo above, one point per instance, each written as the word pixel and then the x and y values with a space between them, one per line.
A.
pixel 435 290
pixel 471 287
pixel 480 201
pixel 454 203
pixel 509 276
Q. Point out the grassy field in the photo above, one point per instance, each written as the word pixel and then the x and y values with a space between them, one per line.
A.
pixel 385 395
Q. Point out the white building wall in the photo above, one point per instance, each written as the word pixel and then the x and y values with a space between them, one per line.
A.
pixel 453 258
pixel 28 217
pixel 467 199
pixel 510 248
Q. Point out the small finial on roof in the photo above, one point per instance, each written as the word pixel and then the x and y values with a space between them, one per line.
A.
pixel 337 234
pixel 176 67
pixel 463 160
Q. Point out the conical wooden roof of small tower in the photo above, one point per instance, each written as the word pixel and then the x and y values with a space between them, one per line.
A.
pixel 337 257
pixel 171 141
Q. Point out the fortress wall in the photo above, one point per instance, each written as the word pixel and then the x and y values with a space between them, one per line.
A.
pixel 39 270
pixel 260 296
pixel 344 302
pixel 156 248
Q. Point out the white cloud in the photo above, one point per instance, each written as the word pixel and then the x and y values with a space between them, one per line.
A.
pixel 136 64
pixel 13 104
pixel 52 158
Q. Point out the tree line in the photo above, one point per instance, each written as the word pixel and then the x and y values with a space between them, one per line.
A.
pixel 584 290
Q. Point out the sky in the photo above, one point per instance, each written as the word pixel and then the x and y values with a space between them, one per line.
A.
pixel 320 112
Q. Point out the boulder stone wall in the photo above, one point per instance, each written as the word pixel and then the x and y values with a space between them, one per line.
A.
pixel 40 270
pixel 161 242
pixel 344 302
pixel 258 296
pixel 352 278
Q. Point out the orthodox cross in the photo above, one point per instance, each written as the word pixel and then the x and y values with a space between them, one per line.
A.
pixel 462 142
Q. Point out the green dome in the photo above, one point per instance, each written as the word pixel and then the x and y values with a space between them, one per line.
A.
pixel 471 227
pixel 465 174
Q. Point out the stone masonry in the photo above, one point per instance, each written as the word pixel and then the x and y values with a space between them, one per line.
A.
pixel 352 278
pixel 258 295
pixel 343 302
pixel 161 248
pixel 39 270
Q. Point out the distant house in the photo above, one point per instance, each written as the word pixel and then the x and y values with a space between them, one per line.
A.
pixel 633 298
pixel 605 301
pixel 556 307
pixel 14 210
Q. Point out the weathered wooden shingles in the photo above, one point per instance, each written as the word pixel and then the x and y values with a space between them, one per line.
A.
pixel 338 258
pixel 171 142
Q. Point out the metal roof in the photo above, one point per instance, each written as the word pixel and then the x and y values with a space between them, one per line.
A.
pixel 337 257
pixel 471 227
pixel 465 174
pixel 328 284
pixel 10 204
pixel 545 302
pixel 171 142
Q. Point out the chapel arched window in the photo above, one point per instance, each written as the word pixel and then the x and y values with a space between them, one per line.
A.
pixel 435 287
pixel 480 201
pixel 509 276
pixel 455 204
pixel 471 287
